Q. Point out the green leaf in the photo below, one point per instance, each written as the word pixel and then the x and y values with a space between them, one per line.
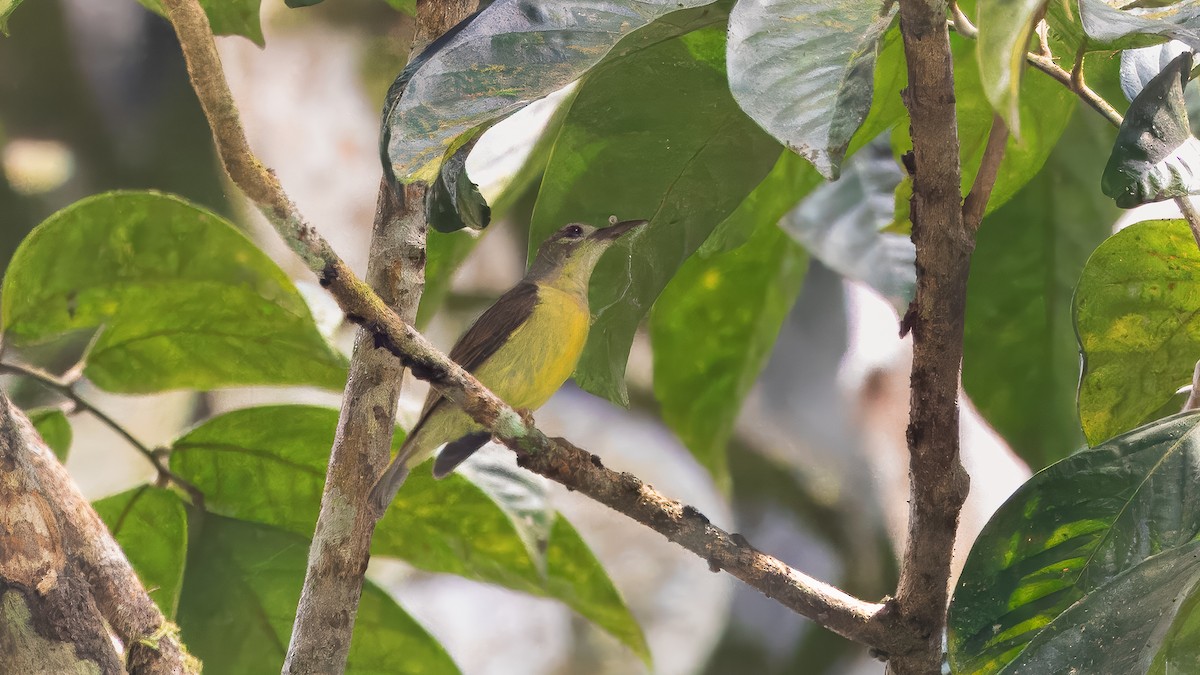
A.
pixel 712 330
pixel 181 299
pixel 521 494
pixel 1155 151
pixel 574 576
pixel 510 53
pixel 151 526
pixel 1143 621
pixel 54 428
pixel 267 465
pixel 1180 650
pixel 1020 358
pixel 1067 532
pixel 239 601
pixel 1137 315
pixel 228 17
pixel 803 69
pixel 1005 29
pixel 656 136
pixel 792 178
pixel 7 7
pixel 887 105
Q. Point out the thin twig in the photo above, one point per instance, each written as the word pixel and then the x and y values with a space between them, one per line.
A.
pixel 865 622
pixel 975 204
pixel 790 587
pixel 961 24
pixel 67 391
pixel 1045 63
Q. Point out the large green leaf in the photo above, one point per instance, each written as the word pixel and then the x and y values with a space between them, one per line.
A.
pixel 804 70
pixel 1067 532
pixel 792 178
pixel 54 428
pixel 1137 314
pixel 1005 29
pixel 228 17
pixel 510 53
pixel 6 9
pixel 712 330
pixel 1020 358
pixel 239 601
pixel 181 298
pixel 1144 621
pixel 657 136
pixel 267 465
pixel 151 526
pixel 574 576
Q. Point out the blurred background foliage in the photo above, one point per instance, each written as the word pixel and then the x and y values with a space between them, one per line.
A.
pixel 812 468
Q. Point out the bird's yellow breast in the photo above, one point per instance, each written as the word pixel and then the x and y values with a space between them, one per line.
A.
pixel 541 354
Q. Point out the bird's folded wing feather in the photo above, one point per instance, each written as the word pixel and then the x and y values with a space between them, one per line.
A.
pixel 489 332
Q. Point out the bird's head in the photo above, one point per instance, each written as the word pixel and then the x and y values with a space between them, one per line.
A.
pixel 568 257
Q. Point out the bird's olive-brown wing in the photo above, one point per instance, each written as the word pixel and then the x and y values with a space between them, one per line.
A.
pixel 488 332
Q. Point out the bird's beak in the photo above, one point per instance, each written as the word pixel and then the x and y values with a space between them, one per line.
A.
pixel 616 231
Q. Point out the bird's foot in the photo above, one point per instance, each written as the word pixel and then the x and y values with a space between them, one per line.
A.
pixel 526 416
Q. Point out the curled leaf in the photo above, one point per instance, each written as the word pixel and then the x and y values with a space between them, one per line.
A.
pixel 496 62
pixel 1155 156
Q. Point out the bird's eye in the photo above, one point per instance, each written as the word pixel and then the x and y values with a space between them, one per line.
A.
pixel 573 232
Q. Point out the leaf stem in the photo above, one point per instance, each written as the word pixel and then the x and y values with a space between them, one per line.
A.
pixel 67 391
pixel 975 204
pixel 1074 81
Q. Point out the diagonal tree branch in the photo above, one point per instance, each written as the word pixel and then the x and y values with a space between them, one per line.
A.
pixel 938 483
pixel 869 623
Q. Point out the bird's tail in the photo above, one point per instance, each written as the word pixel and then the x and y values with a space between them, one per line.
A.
pixel 389 483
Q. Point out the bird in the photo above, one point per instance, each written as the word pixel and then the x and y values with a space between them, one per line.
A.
pixel 522 348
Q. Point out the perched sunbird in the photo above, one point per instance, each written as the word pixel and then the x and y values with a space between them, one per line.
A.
pixel 523 348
